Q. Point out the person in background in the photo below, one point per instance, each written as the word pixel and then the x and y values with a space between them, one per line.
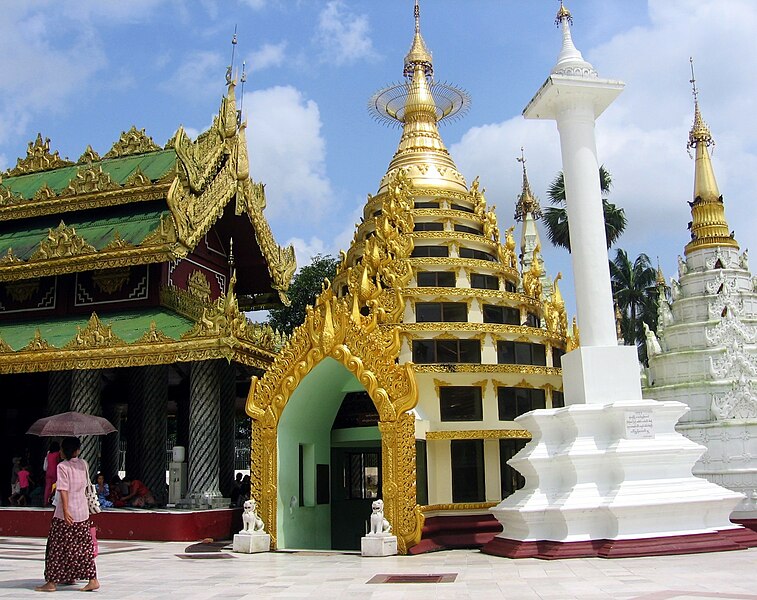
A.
pixel 139 495
pixel 103 491
pixel 51 470
pixel 236 491
pixel 70 549
pixel 20 497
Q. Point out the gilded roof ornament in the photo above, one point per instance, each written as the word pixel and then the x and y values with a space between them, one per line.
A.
pixel 88 156
pixel 38 158
pixel 63 241
pixel 90 179
pixel 708 226
pixel 418 55
pixel 134 141
pixel 527 202
pixel 563 14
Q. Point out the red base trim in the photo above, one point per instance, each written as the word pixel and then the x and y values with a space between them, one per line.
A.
pixel 729 539
pixel 159 526
pixel 444 532
pixel 748 523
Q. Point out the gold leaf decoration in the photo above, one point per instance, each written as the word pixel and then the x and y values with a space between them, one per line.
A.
pixel 94 335
pixel 62 242
pixel 137 179
pixel 10 258
pixel 8 196
pixel 110 281
pixel 89 180
pixel 134 141
pixel 88 156
pixel 21 291
pixel 44 193
pixel 38 158
pixel 5 346
pixel 198 285
pixel 37 344
pixel 154 336
pixel 117 243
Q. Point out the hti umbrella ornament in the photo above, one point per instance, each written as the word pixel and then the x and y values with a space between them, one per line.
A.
pixel 71 424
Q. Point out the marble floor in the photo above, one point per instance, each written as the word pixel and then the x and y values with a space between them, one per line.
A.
pixel 166 570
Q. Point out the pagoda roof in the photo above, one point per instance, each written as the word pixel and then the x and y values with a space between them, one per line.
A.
pixel 184 328
pixel 140 203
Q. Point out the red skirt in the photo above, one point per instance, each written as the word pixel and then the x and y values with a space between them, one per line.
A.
pixel 70 552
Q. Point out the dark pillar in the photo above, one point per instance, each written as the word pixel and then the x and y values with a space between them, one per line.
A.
pixel 86 386
pixel 227 427
pixel 135 416
pixel 58 392
pixel 204 408
pixel 111 443
pixel 146 451
pixel 153 431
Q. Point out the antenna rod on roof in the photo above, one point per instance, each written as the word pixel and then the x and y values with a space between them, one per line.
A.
pixel 242 80
pixel 230 68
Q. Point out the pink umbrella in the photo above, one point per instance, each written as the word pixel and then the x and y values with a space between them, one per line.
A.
pixel 71 424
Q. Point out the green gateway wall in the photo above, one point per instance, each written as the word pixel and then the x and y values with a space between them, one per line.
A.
pixel 307 420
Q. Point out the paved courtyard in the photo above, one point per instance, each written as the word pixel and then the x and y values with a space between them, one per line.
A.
pixel 175 570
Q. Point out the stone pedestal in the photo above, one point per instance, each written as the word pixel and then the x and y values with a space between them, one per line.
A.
pixel 251 543
pixel 378 545
pixel 612 480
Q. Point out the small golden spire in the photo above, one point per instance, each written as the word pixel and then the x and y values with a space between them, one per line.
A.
pixel 660 277
pixel 527 202
pixel 708 226
pixel 418 53
pixel 563 14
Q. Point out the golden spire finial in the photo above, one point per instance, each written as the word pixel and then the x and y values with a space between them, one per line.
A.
pixel 230 68
pixel 527 202
pixel 563 14
pixel 708 226
pixel 700 133
pixel 660 277
pixel 418 53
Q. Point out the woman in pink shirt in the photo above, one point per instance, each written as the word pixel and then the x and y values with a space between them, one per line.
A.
pixel 70 550
pixel 51 470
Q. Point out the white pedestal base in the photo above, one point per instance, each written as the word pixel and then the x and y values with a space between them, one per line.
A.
pixel 601 374
pixel 251 543
pixel 617 471
pixel 378 545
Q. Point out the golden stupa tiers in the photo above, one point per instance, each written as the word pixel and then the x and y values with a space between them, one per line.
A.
pixel 708 226
pixel 419 105
pixel 441 326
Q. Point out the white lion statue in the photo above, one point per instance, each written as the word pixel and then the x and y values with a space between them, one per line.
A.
pixel 251 522
pixel 379 525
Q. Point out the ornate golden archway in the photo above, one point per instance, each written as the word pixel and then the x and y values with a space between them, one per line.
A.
pixel 333 329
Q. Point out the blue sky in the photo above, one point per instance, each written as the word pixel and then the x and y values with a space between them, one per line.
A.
pixel 82 71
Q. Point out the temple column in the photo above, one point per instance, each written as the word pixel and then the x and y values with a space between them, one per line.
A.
pixel 111 443
pixel 86 387
pixel 134 417
pixel 227 427
pixel 58 392
pixel 147 428
pixel 204 413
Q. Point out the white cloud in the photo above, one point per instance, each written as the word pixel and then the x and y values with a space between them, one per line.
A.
pixel 268 55
pixel 343 36
pixel 195 77
pixel 40 74
pixel 288 152
pixel 642 136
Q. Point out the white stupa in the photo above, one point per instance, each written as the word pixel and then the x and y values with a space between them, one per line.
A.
pixel 706 354
pixel 607 475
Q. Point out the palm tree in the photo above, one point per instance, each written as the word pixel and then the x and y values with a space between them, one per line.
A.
pixel 634 291
pixel 556 218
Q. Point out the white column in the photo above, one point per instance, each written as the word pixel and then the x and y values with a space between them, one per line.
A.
pixel 591 271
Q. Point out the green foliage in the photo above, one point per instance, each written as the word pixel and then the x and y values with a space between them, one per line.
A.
pixel 635 292
pixel 556 217
pixel 306 286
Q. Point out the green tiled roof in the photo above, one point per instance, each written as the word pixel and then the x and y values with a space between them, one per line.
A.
pixel 128 325
pixel 133 223
pixel 153 164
